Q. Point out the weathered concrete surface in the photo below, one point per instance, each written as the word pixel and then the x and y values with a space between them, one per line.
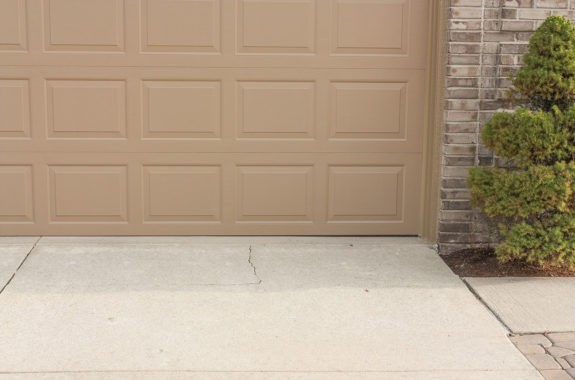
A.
pixel 187 375
pixel 328 308
pixel 12 253
pixel 528 305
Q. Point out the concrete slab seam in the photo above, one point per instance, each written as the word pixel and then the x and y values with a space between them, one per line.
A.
pixel 21 264
pixel 470 288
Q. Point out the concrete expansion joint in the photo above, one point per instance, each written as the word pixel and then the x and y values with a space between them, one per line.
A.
pixel 253 266
pixel 20 266
pixel 486 305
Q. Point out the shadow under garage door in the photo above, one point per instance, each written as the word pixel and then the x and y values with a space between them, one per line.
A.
pixel 212 117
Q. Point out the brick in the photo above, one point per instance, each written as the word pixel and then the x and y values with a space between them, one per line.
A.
pixel 461 116
pixel 465 36
pixel 534 14
pixel 456 194
pixel 462 82
pixel 531 339
pixel 459 161
pixel 567 344
pixel 463 104
pixel 463 71
pixel 464 48
pixel 559 352
pixel 459 216
pixel 467 3
pixel 527 348
pixel 456 205
pixel 465 127
pixel 459 149
pixel 453 183
pixel 465 13
pixel 542 361
pixel 551 3
pixel 457 227
pixel 570 359
pixel 464 25
pixel 517 26
pixel 561 337
pixel 464 59
pixel 448 237
pixel 563 363
pixel 555 374
pixel 509 13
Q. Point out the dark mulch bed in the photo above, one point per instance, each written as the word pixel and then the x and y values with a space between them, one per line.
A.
pixel 482 262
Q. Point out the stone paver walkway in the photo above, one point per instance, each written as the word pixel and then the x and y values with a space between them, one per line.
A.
pixel 552 354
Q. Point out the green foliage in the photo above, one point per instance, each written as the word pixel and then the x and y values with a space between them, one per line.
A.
pixel 549 242
pixel 521 194
pixel 532 137
pixel 534 198
pixel 548 75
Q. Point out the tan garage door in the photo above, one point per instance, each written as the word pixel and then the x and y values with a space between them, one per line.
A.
pixel 211 116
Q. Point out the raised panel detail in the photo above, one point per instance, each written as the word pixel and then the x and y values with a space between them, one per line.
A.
pixel 275 193
pixel 277 26
pixel 84 25
pixel 14 108
pixel 88 193
pixel 86 108
pixel 16 204
pixel 365 193
pixel 276 109
pixel 12 25
pixel 181 25
pixel 370 26
pixel 368 110
pixel 182 193
pixel 181 109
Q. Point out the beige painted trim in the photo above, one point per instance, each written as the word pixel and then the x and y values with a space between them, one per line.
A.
pixel 435 106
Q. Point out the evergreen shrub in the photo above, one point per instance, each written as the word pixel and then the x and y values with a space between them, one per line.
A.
pixel 533 195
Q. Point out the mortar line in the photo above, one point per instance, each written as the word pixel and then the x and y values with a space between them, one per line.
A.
pixel 20 266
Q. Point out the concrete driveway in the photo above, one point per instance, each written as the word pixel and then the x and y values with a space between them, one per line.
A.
pixel 243 308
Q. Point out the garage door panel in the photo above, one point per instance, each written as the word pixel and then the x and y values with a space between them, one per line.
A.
pixel 276 26
pixel 239 110
pixel 14 108
pixel 212 33
pixel 88 193
pixel 285 194
pixel 275 109
pixel 83 25
pixel 130 117
pixel 180 26
pixel 86 109
pixel 13 26
pixel 275 193
pixel 370 27
pixel 366 193
pixel 182 193
pixel 16 194
pixel 181 109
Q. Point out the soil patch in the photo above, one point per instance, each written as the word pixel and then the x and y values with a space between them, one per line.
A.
pixel 482 262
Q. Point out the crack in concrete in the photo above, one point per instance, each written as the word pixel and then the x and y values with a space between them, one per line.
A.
pixel 20 266
pixel 250 261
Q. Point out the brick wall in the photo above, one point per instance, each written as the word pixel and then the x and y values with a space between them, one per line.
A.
pixel 485 43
